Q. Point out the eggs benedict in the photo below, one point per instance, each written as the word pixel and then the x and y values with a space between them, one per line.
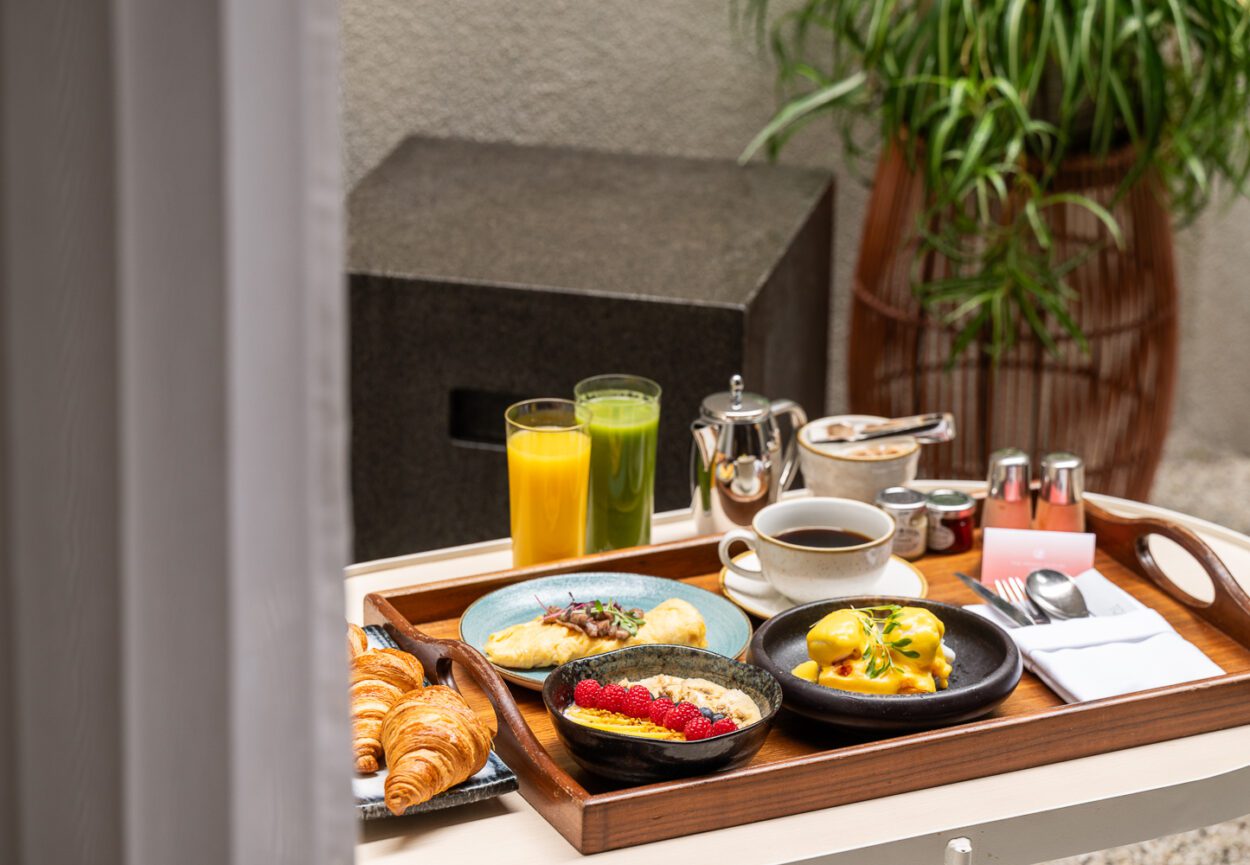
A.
pixel 878 650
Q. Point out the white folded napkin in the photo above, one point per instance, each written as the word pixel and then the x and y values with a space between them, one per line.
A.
pixel 1123 647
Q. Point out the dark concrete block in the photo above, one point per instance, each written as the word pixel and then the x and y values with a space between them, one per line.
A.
pixel 481 274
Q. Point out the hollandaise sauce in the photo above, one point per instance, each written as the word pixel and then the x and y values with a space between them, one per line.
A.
pixel 879 650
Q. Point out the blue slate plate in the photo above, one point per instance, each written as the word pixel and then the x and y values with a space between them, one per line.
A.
pixel 728 628
pixel 495 779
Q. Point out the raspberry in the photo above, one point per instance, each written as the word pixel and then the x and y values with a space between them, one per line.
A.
pixel 680 715
pixel 637 702
pixel 586 694
pixel 659 709
pixel 723 726
pixel 611 697
pixel 697 728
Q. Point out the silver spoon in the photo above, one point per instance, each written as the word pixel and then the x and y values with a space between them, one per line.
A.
pixel 1057 594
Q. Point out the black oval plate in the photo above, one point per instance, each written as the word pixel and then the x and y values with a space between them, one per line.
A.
pixel 986 670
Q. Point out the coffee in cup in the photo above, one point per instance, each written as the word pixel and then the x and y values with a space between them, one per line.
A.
pixel 815 548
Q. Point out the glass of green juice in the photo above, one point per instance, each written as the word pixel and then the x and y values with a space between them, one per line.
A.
pixel 624 425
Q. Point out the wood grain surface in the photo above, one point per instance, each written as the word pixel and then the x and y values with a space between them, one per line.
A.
pixel 804 766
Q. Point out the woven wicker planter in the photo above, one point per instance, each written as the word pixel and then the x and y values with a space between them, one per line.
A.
pixel 1110 405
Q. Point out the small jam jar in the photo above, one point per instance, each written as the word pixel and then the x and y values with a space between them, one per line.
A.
pixel 911 520
pixel 951 517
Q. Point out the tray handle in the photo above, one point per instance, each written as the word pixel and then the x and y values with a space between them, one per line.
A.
pixel 515 740
pixel 1125 539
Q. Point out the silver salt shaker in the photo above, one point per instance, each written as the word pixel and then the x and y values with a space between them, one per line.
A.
pixel 1008 502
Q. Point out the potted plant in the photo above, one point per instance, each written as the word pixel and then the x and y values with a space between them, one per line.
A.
pixel 1016 263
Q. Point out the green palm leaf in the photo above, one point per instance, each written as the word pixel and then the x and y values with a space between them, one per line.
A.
pixel 988 97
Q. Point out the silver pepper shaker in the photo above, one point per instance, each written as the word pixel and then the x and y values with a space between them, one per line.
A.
pixel 1061 500
pixel 1008 501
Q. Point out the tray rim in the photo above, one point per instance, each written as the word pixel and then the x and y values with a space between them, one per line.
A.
pixel 594 822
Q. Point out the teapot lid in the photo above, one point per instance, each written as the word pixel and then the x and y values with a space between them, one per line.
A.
pixel 736 406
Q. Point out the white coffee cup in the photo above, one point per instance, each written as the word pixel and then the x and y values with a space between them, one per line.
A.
pixel 811 573
pixel 856 471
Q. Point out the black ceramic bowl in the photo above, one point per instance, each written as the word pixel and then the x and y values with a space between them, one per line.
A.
pixel 642 761
pixel 986 670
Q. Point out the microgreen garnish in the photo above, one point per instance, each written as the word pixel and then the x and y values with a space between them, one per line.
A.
pixel 596 617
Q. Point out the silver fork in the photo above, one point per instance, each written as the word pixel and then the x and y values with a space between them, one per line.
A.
pixel 1011 590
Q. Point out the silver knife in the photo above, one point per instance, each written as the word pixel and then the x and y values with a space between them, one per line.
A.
pixel 1007 609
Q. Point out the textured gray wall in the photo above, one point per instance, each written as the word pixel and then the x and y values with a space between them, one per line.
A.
pixel 670 77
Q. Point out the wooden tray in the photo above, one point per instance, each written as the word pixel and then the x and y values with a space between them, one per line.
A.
pixel 803 767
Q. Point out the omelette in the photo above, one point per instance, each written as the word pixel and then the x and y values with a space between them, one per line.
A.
pixel 536 643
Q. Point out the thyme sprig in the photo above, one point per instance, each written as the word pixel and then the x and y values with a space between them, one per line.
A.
pixel 877 624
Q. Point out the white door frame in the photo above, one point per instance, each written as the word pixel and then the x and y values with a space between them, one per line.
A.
pixel 173 499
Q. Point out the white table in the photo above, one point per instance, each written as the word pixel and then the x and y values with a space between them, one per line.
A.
pixel 1017 817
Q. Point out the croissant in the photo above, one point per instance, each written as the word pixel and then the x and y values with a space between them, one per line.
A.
pixel 433 741
pixel 378 679
pixel 357 641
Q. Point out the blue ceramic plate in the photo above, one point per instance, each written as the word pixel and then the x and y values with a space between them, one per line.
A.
pixel 728 628
pixel 493 780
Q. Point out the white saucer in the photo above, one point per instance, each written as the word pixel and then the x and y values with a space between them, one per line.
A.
pixel 901 578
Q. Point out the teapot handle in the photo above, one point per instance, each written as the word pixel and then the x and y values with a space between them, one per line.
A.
pixel 702 456
pixel 790 457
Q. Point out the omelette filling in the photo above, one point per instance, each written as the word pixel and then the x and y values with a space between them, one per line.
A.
pixel 878 650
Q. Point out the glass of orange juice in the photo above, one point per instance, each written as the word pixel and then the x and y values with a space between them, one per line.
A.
pixel 548 476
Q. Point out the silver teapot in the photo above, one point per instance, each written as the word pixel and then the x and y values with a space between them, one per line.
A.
pixel 737 462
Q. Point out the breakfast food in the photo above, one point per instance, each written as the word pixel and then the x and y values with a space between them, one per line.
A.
pixel 379 677
pixel 596 619
pixel 878 650
pixel 357 641
pixel 433 741
pixel 882 451
pixel 662 707
pixel 429 736
pixel 579 630
pixel 728 702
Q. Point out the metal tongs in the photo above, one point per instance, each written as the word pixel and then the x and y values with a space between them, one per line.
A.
pixel 925 428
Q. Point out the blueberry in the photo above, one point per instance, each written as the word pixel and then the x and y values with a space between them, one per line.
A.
pixel 707 713
pixel 716 716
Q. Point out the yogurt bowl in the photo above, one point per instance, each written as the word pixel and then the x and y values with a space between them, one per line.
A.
pixel 637 760
pixel 859 470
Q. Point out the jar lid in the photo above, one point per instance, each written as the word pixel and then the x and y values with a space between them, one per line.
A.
pixel 901 499
pixel 735 405
pixel 951 503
